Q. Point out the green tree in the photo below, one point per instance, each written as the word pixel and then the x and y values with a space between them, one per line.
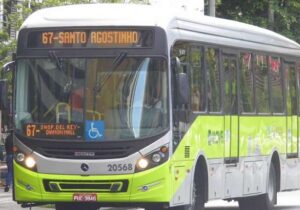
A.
pixel 24 9
pixel 282 16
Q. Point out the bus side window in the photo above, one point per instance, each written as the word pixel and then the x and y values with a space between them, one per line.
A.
pixel 213 80
pixel 197 79
pixel 291 88
pixel 230 83
pixel 276 84
pixel 261 84
pixel 247 83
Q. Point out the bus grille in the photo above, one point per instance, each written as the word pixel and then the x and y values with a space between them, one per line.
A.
pixel 72 152
pixel 111 186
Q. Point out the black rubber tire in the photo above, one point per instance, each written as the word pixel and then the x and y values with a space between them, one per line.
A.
pixel 265 201
pixel 197 196
pixel 268 200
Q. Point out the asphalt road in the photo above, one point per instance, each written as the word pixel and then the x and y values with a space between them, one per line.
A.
pixel 286 201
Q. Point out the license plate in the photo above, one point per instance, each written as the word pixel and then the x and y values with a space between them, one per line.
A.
pixel 85 197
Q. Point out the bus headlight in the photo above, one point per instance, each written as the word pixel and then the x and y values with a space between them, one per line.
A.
pixel 30 162
pixel 142 163
pixel 156 157
pixel 153 159
pixel 24 159
pixel 20 157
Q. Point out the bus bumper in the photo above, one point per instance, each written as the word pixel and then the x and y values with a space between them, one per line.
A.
pixel 144 187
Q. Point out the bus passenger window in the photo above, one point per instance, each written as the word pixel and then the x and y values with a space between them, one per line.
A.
pixel 197 79
pixel 276 84
pixel 261 80
pixel 213 80
pixel 230 84
pixel 247 83
pixel 291 88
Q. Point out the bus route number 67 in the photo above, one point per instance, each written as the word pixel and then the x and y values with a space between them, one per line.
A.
pixel 119 167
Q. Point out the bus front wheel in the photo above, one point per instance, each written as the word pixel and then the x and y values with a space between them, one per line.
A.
pixel 197 197
pixel 197 202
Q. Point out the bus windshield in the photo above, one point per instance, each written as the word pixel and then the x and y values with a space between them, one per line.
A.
pixel 92 99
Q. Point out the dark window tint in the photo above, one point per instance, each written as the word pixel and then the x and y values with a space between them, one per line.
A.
pixel 213 79
pixel 197 79
pixel 291 88
pixel 276 84
pixel 261 79
pixel 230 84
pixel 247 83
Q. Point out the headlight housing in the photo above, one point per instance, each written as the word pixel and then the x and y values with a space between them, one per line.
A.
pixel 25 160
pixel 153 159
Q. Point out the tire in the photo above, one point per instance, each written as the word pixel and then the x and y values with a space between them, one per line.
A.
pixel 197 197
pixel 268 200
pixel 197 202
pixel 265 201
pixel 75 206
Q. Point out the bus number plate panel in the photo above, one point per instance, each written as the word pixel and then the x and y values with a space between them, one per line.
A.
pixel 85 197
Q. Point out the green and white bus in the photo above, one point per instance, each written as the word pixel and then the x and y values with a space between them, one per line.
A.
pixel 143 106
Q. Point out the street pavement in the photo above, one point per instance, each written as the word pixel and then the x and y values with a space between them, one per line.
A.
pixel 6 202
pixel 286 201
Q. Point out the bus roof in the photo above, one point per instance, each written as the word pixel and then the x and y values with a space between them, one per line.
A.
pixel 152 15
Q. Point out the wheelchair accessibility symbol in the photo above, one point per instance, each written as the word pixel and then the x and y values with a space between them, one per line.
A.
pixel 94 130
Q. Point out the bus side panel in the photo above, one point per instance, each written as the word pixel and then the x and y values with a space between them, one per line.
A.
pixel 260 135
pixel 152 185
pixel 205 136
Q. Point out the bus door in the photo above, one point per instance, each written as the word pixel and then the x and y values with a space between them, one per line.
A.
pixel 230 108
pixel 291 101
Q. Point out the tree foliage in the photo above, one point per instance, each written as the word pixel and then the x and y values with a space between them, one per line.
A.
pixel 15 19
pixel 285 14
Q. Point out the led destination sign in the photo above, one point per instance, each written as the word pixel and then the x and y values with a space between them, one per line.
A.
pixel 90 39
pixel 52 130
pixel 96 37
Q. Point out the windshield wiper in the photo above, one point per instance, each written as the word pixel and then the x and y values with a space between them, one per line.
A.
pixel 116 62
pixel 53 57
pixel 100 83
pixel 58 62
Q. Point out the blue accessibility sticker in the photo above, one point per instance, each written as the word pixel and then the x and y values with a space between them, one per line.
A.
pixel 94 130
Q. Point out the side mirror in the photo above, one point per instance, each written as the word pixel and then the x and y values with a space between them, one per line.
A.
pixel 10 66
pixel 182 89
pixel 175 63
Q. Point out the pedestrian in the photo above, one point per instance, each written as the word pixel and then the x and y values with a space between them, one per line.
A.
pixel 9 161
